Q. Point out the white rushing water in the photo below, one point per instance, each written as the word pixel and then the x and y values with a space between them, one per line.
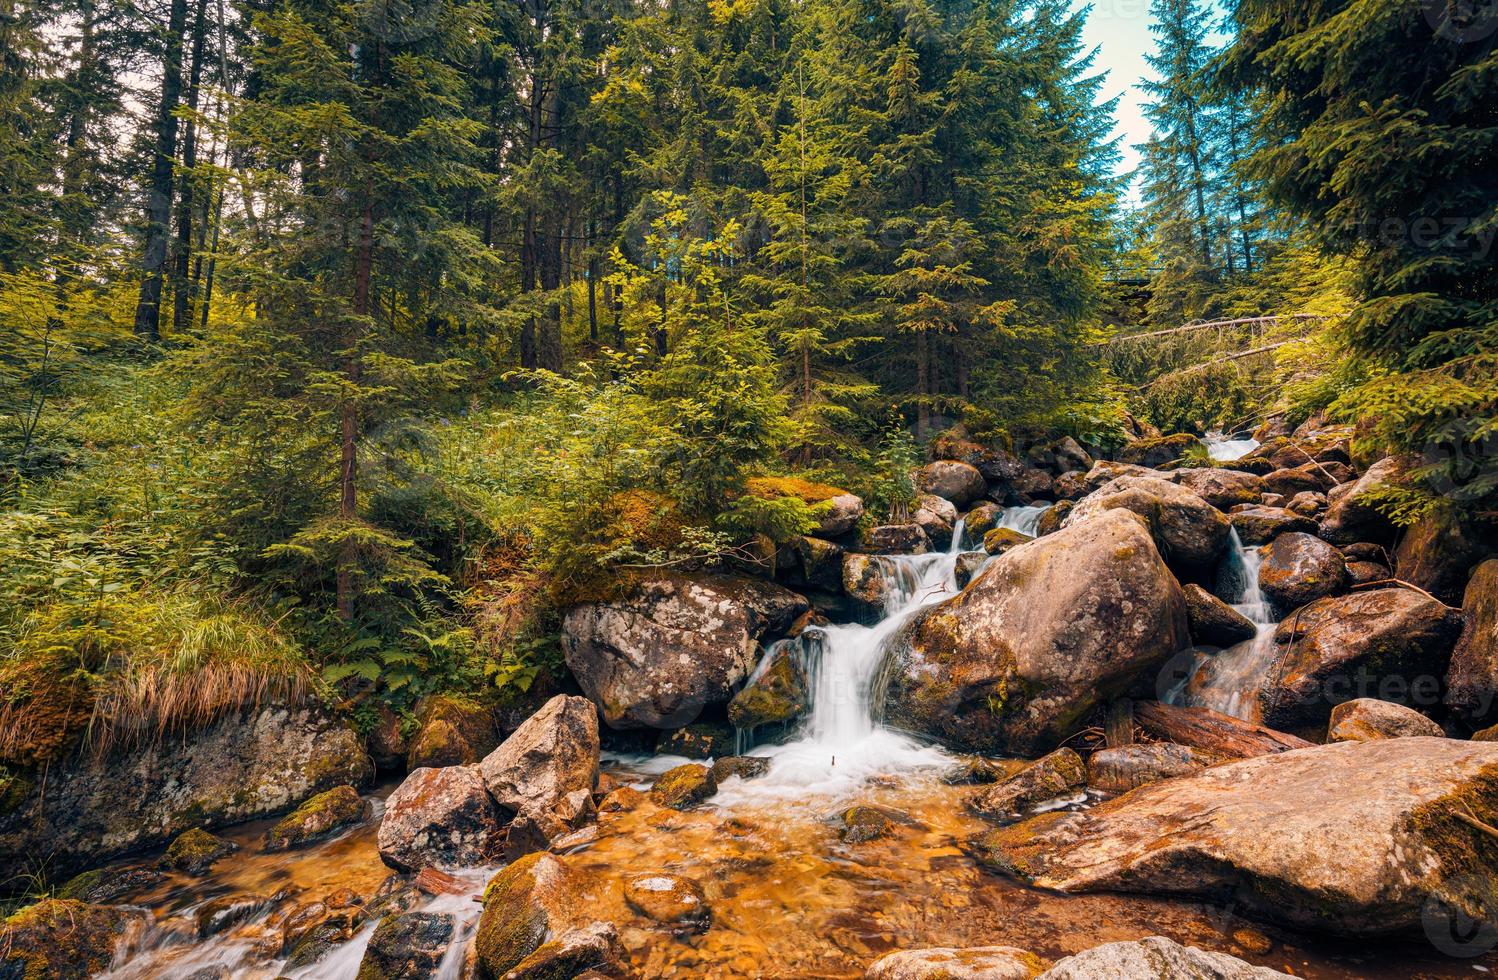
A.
pixel 1229 681
pixel 1224 448
pixel 1025 520
pixel 839 745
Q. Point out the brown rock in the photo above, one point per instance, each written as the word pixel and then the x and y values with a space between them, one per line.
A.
pixel 1352 516
pixel 896 539
pixel 1127 767
pixel 1366 719
pixel 976 963
pixel 1213 621
pixel 1159 451
pixel 1221 488
pixel 1191 533
pixel 441 817
pixel 1260 525
pixel 1299 568
pixel 1215 735
pixel 683 787
pixel 1472 684
pixel 1058 774
pixel 960 483
pixel 1156 958
pixel 545 772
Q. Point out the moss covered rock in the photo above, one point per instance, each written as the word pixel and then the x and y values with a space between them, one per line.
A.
pixel 779 695
pixel 684 786
pixel 194 852
pixel 1158 451
pixel 1001 539
pixel 864 823
pixel 537 897
pixel 1057 774
pixel 407 947
pixel 324 814
pixel 60 939
pixel 103 886
pixel 454 731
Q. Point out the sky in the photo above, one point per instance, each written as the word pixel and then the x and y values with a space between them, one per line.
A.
pixel 1119 29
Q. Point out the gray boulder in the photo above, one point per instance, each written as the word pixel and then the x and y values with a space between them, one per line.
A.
pixel 546 771
pixel 1155 958
pixel 1190 532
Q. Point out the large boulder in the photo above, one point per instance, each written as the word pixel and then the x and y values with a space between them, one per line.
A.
pixel 673 645
pixel 408 947
pixel 1353 516
pixel 60 939
pixel 1260 525
pixel 1221 488
pixel 1214 622
pixel 1211 734
pixel 1191 533
pixel 1439 553
pixel 546 771
pixel 1366 719
pixel 1046 632
pixel 1390 644
pixel 936 516
pixel 1356 838
pixel 1155 958
pixel 1288 483
pixel 1158 451
pixel 1300 568
pixel 440 818
pixel 960 483
pixel 1472 684
pixel 864 580
pixel 535 899
pixel 1106 471
pixel 453 731
pixel 940 963
pixel 248 765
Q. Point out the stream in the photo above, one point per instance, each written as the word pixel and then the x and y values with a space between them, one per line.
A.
pixel 790 898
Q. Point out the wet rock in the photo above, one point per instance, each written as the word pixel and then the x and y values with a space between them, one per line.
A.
pixel 1191 533
pixel 537 897
pixel 407 947
pixel 194 852
pixel 1472 683
pixel 105 886
pixel 1299 568
pixel 439 818
pixel 1051 519
pixel 1213 621
pixel 669 899
pixel 1127 767
pixel 1071 486
pixel 1392 644
pixel 1307 503
pixel 1293 481
pixel 1159 451
pixel 1058 774
pixel 1032 485
pixel 742 766
pixel 386 740
pixel 1221 488
pixel 591 952
pixel 1489 734
pixel 1156 958
pixel 821 562
pixel 1366 551
pixel 1355 838
pixel 454 731
pixel 861 824
pixel 937 518
pixel 227 911
pixel 621 800
pixel 863 579
pixel 684 787
pixel 318 817
pixel 977 963
pixel 1439 553
pixel 247 765
pixel 1001 539
pixel 984 517
pixel 1366 719
pixel 1069 456
pixel 896 539
pixel 1215 736
pixel 967 566
pixel 994 464
pixel 1273 500
pixel 1353 517
pixel 60 939
pixel 1260 525
pixel 980 771
pixel 673 645
pixel 545 772
pixel 1048 631
pixel 1366 573
pixel 703 740
pixel 777 696
pixel 320 925
pixel 960 483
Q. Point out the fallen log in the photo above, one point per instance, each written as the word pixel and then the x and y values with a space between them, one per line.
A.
pixel 1220 735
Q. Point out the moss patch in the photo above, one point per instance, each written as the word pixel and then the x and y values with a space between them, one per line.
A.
pixel 321 815
pixel 59 939
pixel 773 487
pixel 194 851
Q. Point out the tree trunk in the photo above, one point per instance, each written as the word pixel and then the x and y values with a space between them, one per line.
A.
pixel 181 261
pixel 159 194
pixel 348 487
pixel 1209 731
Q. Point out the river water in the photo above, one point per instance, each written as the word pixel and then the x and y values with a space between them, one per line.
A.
pixel 790 897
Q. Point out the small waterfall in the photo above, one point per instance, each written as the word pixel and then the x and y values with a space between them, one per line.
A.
pixel 1226 448
pixel 1025 520
pixel 839 744
pixel 1229 681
